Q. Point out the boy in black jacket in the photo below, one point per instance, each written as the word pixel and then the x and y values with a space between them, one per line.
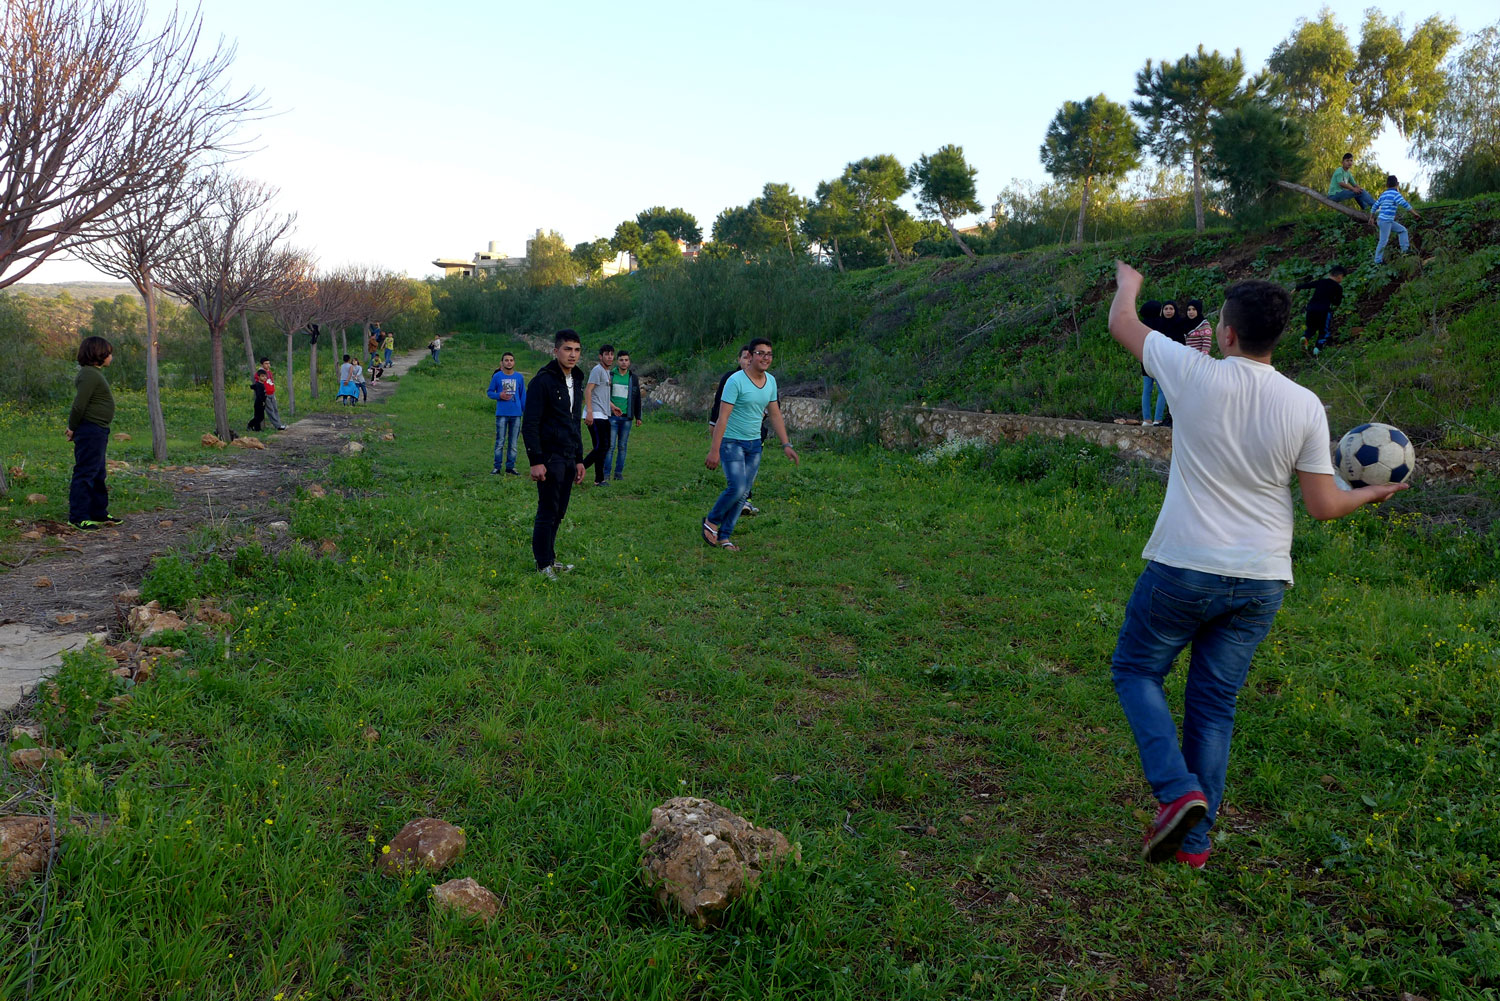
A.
pixel 1327 293
pixel 554 447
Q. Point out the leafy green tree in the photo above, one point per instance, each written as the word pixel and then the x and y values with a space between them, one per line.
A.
pixel 1403 80
pixel 1462 139
pixel 876 182
pixel 945 188
pixel 628 237
pixel 1312 80
pixel 679 224
pixel 591 255
pixel 550 262
pixel 781 211
pixel 831 217
pixel 1179 103
pixel 662 249
pixel 1094 138
pixel 1255 145
pixel 740 227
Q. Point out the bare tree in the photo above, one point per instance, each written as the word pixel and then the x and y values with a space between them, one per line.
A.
pixel 96 110
pixel 227 259
pixel 334 305
pixel 148 221
pixel 293 310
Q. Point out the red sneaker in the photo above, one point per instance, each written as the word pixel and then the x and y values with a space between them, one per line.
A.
pixel 1173 821
pixel 1196 860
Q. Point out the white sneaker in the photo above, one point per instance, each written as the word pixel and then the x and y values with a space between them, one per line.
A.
pixel 749 509
pixel 1146 424
pixel 561 568
pixel 548 573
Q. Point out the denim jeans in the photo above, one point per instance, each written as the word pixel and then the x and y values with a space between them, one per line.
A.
pixel 740 461
pixel 388 353
pixel 1387 227
pixel 1224 618
pixel 505 441
pixel 619 434
pixel 435 353
pixel 1147 384
pixel 88 497
pixel 1362 197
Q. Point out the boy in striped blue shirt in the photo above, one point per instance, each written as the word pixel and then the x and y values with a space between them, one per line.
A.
pixel 1385 217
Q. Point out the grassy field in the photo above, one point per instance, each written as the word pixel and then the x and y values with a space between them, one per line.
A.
pixel 905 670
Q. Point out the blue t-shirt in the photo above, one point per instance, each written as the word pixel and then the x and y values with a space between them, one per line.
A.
pixel 749 402
pixel 1384 208
pixel 516 383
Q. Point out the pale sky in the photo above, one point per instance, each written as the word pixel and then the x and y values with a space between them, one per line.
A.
pixel 407 131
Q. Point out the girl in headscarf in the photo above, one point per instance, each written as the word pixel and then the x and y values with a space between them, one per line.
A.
pixel 1200 337
pixel 1151 316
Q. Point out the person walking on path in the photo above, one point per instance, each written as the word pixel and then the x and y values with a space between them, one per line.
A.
pixel 258 395
pixel 1385 218
pixel 389 344
pixel 508 390
pixel 268 379
pixel 748 397
pixel 359 381
pixel 713 418
pixel 554 446
pixel 1327 294
pixel 624 409
pixel 372 345
pixel 88 429
pixel 1219 557
pixel 1341 186
pixel 598 414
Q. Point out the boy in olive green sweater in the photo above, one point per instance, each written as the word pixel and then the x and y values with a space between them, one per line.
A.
pixel 88 430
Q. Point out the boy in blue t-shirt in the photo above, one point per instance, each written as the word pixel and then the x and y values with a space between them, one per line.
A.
pixel 508 390
pixel 748 396
pixel 1385 218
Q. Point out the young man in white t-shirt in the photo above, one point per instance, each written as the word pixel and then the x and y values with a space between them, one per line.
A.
pixel 596 414
pixel 1220 555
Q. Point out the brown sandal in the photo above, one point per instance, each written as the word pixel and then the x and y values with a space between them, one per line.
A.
pixel 726 544
pixel 710 535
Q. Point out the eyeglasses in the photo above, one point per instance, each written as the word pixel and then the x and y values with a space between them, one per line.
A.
pixel 761 354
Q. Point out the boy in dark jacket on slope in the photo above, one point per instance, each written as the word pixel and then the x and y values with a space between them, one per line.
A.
pixel 554 446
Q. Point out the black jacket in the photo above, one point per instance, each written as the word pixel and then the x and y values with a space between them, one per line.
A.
pixel 1327 294
pixel 549 426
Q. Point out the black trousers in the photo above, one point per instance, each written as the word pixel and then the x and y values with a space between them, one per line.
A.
pixel 599 435
pixel 88 497
pixel 551 504
pixel 257 421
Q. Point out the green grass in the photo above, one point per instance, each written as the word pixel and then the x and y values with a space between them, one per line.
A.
pixel 900 645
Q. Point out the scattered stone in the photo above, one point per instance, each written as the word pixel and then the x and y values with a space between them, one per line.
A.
pixel 442 406
pixel 248 442
pixel 42 582
pixel 211 614
pixel 65 618
pixel 352 448
pixel 209 441
pixel 121 436
pixel 122 672
pixel 167 523
pixel 1405 996
pixel 149 620
pixel 327 547
pixel 36 498
pixel 32 535
pixel 31 731
pixel 466 898
pixel 966 819
pixel 18 472
pixel 704 857
pixel 279 526
pixel 33 759
pixel 135 537
pixel 145 670
pixel 130 593
pixel 388 436
pixel 316 490
pixel 115 465
pixel 1011 898
pixel 426 843
pixel 121 701
pixel 371 734
pixel 25 847
pixel 931 831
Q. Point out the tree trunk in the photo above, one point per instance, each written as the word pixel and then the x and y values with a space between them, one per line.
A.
pixel 153 371
pixel 291 384
pixel 216 358
pixel 838 258
pixel 3 488
pixel 1197 190
pixel 1351 212
pixel 958 239
pixel 896 257
pixel 1083 207
pixel 249 348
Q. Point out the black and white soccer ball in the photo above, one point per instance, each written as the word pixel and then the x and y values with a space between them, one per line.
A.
pixel 1374 454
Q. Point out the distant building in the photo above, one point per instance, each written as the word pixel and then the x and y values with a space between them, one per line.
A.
pixel 486 263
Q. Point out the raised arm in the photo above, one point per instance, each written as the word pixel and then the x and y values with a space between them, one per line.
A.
pixel 1124 325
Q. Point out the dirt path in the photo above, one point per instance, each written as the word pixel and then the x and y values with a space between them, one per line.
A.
pixel 66 586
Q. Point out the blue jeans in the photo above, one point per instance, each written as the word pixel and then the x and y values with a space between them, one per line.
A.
pixel 740 461
pixel 387 357
pixel 1388 226
pixel 435 353
pixel 505 441
pixel 1363 197
pixel 619 435
pixel 1147 384
pixel 1224 618
pixel 88 496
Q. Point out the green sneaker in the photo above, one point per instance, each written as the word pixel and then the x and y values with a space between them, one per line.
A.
pixel 87 525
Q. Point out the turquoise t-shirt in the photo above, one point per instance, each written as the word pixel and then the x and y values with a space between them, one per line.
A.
pixel 749 402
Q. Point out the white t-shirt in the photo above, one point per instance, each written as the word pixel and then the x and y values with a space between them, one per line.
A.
pixel 599 392
pixel 1240 432
pixel 359 372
